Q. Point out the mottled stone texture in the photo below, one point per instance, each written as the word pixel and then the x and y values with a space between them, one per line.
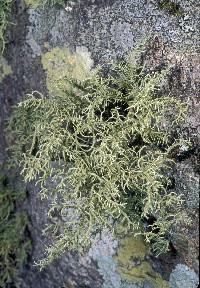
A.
pixel 106 29
pixel 183 277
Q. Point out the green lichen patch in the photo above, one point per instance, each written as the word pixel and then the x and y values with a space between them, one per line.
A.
pixel 5 69
pixel 132 263
pixel 59 63
pixel 36 3
pixel 29 2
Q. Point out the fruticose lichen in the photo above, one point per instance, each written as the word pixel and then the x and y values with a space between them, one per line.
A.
pixel 102 142
pixel 13 243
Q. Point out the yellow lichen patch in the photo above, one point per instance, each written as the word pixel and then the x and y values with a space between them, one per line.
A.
pixel 29 2
pixel 132 264
pixel 5 69
pixel 60 62
pixel 33 3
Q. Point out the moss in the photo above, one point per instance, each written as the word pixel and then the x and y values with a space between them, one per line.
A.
pixel 60 62
pixel 5 69
pixel 133 266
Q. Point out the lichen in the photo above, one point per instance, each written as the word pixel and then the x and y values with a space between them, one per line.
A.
pixel 103 245
pixel 5 8
pixel 29 2
pixel 60 62
pixel 104 136
pixel 13 243
pixel 5 69
pixel 107 268
pixel 183 277
pixel 133 266
pixel 36 3
pixel 172 7
pixel 187 182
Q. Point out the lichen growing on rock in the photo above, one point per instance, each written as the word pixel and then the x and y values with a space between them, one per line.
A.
pixel 60 62
pixel 107 268
pixel 183 277
pixel 36 3
pixel 105 135
pixel 14 245
pixel 5 69
pixel 132 262
pixel 103 245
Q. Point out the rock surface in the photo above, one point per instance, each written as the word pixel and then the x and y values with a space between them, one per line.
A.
pixel 97 32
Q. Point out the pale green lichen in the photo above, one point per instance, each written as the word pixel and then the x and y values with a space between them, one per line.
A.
pixel 13 243
pixel 5 69
pixel 35 3
pixel 5 8
pixel 59 63
pixel 29 2
pixel 103 137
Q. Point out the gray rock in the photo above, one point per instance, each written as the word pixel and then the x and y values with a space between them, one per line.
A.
pixel 107 28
